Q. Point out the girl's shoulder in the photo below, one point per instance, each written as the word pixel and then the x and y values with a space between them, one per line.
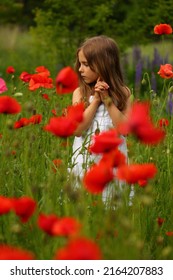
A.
pixel 77 95
pixel 127 91
pixel 77 91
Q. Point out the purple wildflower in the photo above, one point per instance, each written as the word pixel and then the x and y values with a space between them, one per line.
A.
pixel 169 105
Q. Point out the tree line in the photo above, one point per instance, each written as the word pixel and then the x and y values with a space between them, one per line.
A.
pixel 59 26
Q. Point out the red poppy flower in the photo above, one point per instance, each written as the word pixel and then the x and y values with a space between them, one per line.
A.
pixel 3 86
pixel 13 152
pixel 54 112
pixel 24 207
pixel 22 122
pixel 35 119
pixel 66 226
pixel 57 162
pixel 165 71
pixel 148 134
pixel 169 233
pixel 142 183
pixel 114 158
pixel 138 116
pixel 135 172
pixel 160 221
pixel 45 96
pixel 46 222
pixel 105 142
pixel 96 178
pixel 10 70
pixel 40 80
pixel 5 205
pixel 61 126
pixel 75 112
pixel 13 253
pixel 139 123
pixel 79 249
pixel 42 69
pixel 25 77
pixel 9 105
pixel 66 80
pixel 162 28
pixel 66 126
pixel 163 122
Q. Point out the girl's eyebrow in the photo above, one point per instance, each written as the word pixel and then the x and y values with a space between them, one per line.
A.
pixel 83 61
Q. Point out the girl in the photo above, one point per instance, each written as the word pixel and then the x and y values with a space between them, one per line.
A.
pixel 106 97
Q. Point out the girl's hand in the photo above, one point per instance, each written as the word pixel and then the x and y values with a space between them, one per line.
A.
pixel 102 87
pixel 97 97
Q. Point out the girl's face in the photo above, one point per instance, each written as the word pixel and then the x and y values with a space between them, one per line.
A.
pixel 88 75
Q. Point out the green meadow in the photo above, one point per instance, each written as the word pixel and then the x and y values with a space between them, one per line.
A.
pixel 26 165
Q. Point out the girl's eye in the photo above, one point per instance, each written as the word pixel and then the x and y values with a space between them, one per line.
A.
pixel 84 64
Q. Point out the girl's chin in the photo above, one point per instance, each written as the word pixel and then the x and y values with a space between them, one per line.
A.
pixel 89 82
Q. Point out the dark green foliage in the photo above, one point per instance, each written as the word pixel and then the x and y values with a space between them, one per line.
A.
pixel 20 12
pixel 59 26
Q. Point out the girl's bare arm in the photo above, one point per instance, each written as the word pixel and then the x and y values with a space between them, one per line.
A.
pixel 89 111
pixel 116 115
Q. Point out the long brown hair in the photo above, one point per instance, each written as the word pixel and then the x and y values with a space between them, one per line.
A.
pixel 102 55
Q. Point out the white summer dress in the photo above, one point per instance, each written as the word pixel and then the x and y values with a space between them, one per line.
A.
pixel 81 159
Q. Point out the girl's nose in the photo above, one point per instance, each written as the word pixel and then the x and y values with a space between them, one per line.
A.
pixel 80 69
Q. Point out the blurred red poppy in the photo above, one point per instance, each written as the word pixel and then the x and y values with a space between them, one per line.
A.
pixel 42 69
pixel 24 207
pixel 97 177
pixel 54 112
pixel 66 80
pixel 148 134
pixel 134 172
pixel 35 119
pixel 45 96
pixel 25 77
pixel 10 70
pixel 66 226
pixel 9 105
pixel 113 158
pixel 13 253
pixel 46 222
pixel 65 126
pixel 61 126
pixel 169 233
pixel 22 122
pixel 57 162
pixel 75 112
pixel 5 205
pixel 105 141
pixel 40 80
pixel 79 249
pixel 142 183
pixel 165 71
pixel 163 122
pixel 162 28
pixel 139 123
pixel 160 221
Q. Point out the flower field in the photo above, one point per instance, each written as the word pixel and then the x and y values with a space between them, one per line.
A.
pixel 43 215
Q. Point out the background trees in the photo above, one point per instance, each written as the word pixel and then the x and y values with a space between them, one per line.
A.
pixel 57 27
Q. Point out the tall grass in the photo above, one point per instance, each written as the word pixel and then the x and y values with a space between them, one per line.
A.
pixel 17 49
pixel 26 166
